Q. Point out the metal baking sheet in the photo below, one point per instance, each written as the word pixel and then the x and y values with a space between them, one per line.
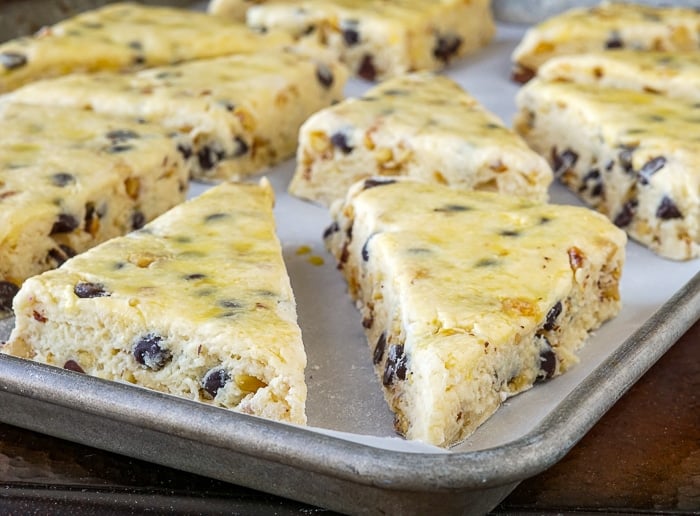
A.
pixel 349 458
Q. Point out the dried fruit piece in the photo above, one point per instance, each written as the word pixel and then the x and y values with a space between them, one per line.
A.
pixel 242 147
pixel 373 182
pixel 624 218
pixel 12 60
pixel 149 351
pixel 650 168
pixel 340 141
pixel 138 220
pixel 214 380
pixel 548 360
pixel 122 134
pixel 366 69
pixel 62 179
pixel 324 75
pixel 65 223
pixel 351 36
pixel 614 41
pixel 447 47
pixel 564 161
pixel 86 289
pixel 72 365
pixel 395 368
pixel 552 316
pixel 378 354
pixel 668 210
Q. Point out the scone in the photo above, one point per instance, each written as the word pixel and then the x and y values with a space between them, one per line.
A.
pixel 125 36
pixel 468 297
pixel 674 74
pixel 233 116
pixel 609 26
pixel 633 156
pixel 196 304
pixel 421 125
pixel 379 39
pixel 72 179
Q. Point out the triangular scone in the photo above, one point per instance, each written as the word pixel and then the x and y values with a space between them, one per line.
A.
pixel 197 304
pixel 72 179
pixel 233 116
pixel 421 125
pixel 633 156
pixel 673 74
pixel 378 39
pixel 470 297
pixel 126 36
pixel 610 26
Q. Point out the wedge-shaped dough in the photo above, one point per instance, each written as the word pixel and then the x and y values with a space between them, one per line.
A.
pixel 233 115
pixel 633 156
pixel 421 125
pixel 72 179
pixel 673 74
pixel 197 304
pixel 379 39
pixel 470 297
pixel 125 36
pixel 607 26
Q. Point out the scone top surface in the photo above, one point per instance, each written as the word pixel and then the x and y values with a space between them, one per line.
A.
pixel 207 85
pixel 422 125
pixel 217 267
pixel 421 104
pixel 629 114
pixel 476 262
pixel 244 109
pixel 125 36
pixel 52 158
pixel 163 34
pixel 674 74
pixel 609 26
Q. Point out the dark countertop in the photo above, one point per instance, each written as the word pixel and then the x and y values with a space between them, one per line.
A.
pixel 643 456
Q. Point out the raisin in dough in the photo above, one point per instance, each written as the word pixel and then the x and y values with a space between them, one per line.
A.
pixel 468 297
pixel 421 125
pixel 379 39
pixel 196 304
pixel 609 26
pixel 72 179
pixel 125 36
pixel 633 156
pixel 234 115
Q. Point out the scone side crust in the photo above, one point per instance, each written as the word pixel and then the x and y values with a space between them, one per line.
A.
pixel 630 155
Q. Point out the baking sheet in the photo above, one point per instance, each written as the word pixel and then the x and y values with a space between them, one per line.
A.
pixel 350 450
